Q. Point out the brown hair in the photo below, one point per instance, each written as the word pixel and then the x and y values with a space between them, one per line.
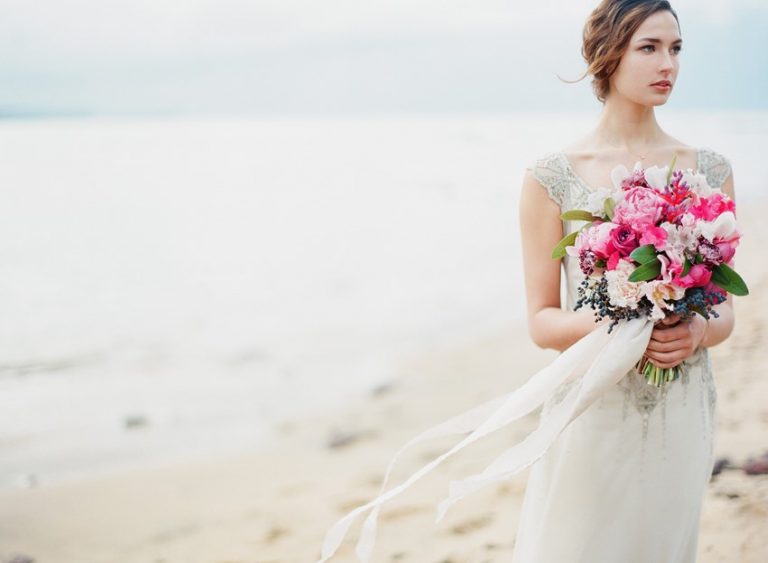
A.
pixel 607 33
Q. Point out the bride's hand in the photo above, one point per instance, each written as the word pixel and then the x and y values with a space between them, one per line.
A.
pixel 673 340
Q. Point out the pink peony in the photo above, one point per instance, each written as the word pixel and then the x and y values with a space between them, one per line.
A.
pixel 641 208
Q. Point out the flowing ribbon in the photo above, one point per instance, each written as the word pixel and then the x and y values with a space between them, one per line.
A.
pixel 595 363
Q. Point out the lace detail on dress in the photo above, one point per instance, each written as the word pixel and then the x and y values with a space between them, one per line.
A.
pixel 645 397
pixel 715 167
pixel 548 171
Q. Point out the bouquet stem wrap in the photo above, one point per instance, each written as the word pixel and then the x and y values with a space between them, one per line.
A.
pixel 596 362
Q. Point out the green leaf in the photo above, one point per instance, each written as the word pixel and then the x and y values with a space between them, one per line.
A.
pixel 608 207
pixel 725 277
pixel 686 267
pixel 644 254
pixel 578 215
pixel 671 168
pixel 698 260
pixel 568 240
pixel 647 271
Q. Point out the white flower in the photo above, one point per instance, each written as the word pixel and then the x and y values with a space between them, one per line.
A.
pixel 697 182
pixel 656 177
pixel 621 291
pixel 596 200
pixel 680 238
pixel 724 227
pixel 618 175
pixel 661 294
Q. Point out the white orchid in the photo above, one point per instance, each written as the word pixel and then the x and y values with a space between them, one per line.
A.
pixel 656 177
pixel 698 183
pixel 596 200
pixel 723 227
pixel 618 175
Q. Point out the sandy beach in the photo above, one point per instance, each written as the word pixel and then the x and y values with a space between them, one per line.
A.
pixel 274 506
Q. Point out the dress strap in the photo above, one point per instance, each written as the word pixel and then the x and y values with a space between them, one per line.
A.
pixel 715 167
pixel 550 173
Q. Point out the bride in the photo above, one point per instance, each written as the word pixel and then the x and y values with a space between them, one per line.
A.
pixel 619 467
pixel 625 481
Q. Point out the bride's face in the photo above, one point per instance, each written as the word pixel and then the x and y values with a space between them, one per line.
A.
pixel 651 56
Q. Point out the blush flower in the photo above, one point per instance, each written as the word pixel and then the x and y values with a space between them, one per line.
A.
pixel 662 295
pixel 597 238
pixel 621 291
pixel 641 208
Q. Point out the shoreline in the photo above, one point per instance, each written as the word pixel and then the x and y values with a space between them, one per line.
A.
pixel 276 505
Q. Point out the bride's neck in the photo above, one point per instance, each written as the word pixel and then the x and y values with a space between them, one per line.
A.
pixel 625 124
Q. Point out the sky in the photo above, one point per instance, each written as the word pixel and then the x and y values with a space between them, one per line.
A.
pixel 346 56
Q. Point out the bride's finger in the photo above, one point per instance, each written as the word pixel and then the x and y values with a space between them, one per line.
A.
pixel 664 359
pixel 670 346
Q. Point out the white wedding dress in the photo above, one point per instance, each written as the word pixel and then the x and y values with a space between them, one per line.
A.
pixel 625 481
pixel 618 467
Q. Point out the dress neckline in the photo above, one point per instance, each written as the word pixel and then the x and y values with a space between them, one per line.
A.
pixel 583 183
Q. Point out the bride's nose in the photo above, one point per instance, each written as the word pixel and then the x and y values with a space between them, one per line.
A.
pixel 667 64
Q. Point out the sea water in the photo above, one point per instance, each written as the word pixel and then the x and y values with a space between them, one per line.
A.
pixel 175 287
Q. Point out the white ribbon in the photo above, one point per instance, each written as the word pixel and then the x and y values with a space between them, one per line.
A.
pixel 595 363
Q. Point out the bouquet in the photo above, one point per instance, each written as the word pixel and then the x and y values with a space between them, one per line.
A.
pixel 662 240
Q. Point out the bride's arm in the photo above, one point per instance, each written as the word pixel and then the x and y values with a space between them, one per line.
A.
pixel 541 230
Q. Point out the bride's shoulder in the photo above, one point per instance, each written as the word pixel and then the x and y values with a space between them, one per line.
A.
pixel 714 165
pixel 548 169
pixel 544 160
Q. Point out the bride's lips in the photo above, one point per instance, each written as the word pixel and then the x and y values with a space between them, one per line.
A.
pixel 662 85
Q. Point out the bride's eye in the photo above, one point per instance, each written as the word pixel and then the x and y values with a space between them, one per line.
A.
pixel 646 47
pixel 677 48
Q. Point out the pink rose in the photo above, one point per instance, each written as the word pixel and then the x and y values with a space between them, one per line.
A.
pixel 623 239
pixel 641 208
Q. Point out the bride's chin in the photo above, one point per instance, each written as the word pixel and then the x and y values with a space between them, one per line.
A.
pixel 653 102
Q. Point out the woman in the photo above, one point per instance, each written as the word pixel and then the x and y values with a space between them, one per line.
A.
pixel 619 466
pixel 625 481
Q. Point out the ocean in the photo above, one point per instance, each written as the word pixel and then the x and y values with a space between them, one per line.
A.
pixel 174 288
